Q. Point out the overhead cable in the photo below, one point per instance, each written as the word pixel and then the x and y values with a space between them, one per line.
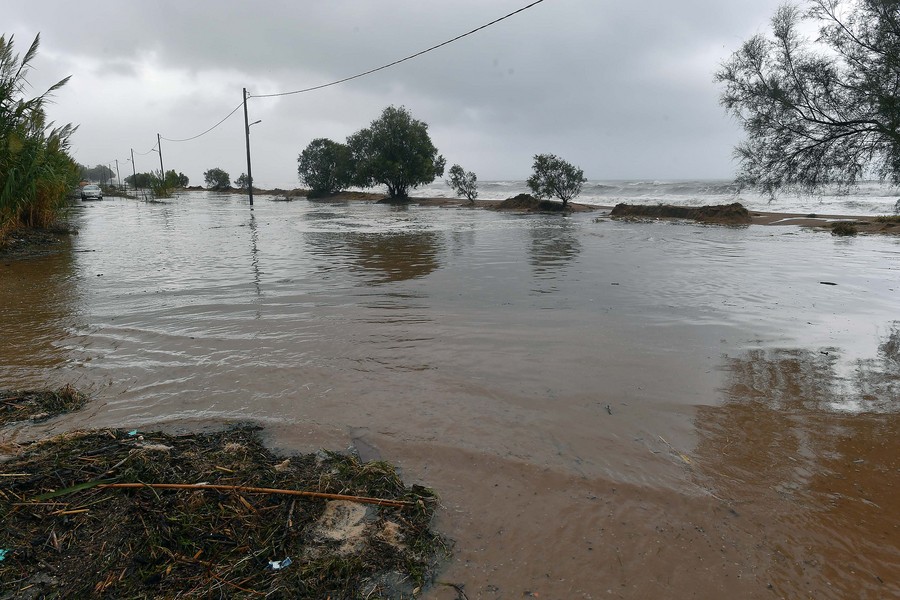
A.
pixel 208 130
pixel 397 62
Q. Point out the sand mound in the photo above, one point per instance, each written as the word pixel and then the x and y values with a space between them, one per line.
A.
pixel 530 203
pixel 727 214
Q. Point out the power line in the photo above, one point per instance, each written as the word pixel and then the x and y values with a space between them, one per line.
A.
pixel 208 130
pixel 397 62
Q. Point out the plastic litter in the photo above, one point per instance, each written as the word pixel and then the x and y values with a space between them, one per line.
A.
pixel 277 565
pixel 133 432
pixel 4 552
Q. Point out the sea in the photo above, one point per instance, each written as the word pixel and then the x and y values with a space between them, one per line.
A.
pixel 867 198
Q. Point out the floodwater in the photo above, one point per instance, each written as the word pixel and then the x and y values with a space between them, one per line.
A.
pixel 606 409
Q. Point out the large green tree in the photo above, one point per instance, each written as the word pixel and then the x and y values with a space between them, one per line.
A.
pixel 552 176
pixel 176 180
pixel 818 111
pixel 325 166
pixel 395 151
pixel 36 170
pixel 217 179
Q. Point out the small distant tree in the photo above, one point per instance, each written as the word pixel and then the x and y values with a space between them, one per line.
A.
pixel 140 180
pixel 325 166
pixel 242 182
pixel 463 183
pixel 395 151
pixel 552 176
pixel 217 179
pixel 176 180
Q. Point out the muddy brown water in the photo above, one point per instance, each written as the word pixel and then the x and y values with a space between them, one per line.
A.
pixel 607 409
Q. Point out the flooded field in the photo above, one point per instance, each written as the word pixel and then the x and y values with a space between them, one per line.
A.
pixel 607 409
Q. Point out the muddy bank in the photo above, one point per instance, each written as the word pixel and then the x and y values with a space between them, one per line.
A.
pixel 722 214
pixel 38 405
pixel 305 526
pixel 30 243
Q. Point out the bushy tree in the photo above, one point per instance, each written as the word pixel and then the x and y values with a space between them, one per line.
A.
pixel 463 183
pixel 395 151
pixel 823 111
pixel 242 182
pixel 99 173
pixel 325 166
pixel 552 176
pixel 217 179
pixel 176 180
pixel 139 180
pixel 36 170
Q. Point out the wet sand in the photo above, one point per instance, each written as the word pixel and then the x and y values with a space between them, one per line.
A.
pixel 606 409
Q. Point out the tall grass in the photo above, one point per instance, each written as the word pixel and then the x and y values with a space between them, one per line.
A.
pixel 36 170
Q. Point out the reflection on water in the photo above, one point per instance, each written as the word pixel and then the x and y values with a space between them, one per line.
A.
pixel 553 246
pixel 393 257
pixel 38 301
pixel 811 457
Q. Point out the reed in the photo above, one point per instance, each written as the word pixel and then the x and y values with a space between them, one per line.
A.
pixel 36 170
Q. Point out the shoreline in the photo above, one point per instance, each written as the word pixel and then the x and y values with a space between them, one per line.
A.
pixel 29 243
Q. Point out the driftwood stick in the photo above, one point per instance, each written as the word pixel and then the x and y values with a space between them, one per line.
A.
pixel 259 490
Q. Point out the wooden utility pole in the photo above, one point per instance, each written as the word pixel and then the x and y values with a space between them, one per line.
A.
pixel 133 170
pixel 247 136
pixel 162 171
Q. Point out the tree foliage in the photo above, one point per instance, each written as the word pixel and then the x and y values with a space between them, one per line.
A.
pixel 100 173
pixel 463 183
pixel 325 166
pixel 176 180
pixel 553 177
pixel 217 179
pixel 36 170
pixel 139 180
pixel 395 151
pixel 242 182
pixel 822 111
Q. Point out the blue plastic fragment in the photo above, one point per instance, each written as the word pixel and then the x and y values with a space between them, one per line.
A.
pixel 133 432
pixel 276 565
pixel 4 552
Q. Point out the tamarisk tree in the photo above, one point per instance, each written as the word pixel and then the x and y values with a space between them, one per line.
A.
pixel 818 111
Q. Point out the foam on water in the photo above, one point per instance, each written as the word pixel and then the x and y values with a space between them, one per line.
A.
pixel 868 198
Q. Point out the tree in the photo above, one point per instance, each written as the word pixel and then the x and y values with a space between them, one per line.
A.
pixel 552 176
pixel 325 166
pixel 242 182
pixel 395 151
pixel 139 180
pixel 818 112
pixel 176 180
pixel 463 183
pixel 101 173
pixel 217 179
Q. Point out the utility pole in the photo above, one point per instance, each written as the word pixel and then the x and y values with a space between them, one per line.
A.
pixel 162 171
pixel 118 178
pixel 133 170
pixel 247 135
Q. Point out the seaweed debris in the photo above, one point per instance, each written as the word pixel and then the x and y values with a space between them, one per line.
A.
pixel 723 214
pixel 38 405
pixel 69 534
pixel 529 203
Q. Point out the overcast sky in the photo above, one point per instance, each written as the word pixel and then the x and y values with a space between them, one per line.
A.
pixel 622 89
